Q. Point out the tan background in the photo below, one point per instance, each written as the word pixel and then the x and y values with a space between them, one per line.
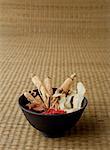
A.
pixel 56 38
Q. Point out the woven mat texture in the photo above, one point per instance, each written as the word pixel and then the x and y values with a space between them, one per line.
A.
pixel 55 38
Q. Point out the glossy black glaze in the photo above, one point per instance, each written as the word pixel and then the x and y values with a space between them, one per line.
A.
pixel 51 125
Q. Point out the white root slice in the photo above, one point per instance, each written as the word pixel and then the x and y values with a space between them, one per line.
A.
pixel 68 101
pixel 48 85
pixel 71 110
pixel 81 91
pixel 78 98
pixel 80 88
pixel 76 101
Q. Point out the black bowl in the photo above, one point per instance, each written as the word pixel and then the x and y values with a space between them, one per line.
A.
pixel 51 125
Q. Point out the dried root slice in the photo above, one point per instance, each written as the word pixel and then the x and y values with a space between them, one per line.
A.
pixel 36 107
pixel 48 85
pixel 64 98
pixel 53 103
pixel 57 95
pixel 65 87
pixel 40 86
pixel 39 108
pixel 29 97
pixel 38 100
pixel 56 105
pixel 35 103
pixel 31 105
pixel 52 100
pixel 42 89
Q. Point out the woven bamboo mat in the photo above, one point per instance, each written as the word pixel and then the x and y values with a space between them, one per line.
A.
pixel 55 38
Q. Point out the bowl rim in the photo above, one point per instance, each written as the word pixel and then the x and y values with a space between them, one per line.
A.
pixel 40 114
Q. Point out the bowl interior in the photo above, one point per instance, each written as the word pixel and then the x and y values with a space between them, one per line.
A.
pixel 23 101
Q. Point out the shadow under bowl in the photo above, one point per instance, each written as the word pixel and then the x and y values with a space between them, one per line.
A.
pixel 52 125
